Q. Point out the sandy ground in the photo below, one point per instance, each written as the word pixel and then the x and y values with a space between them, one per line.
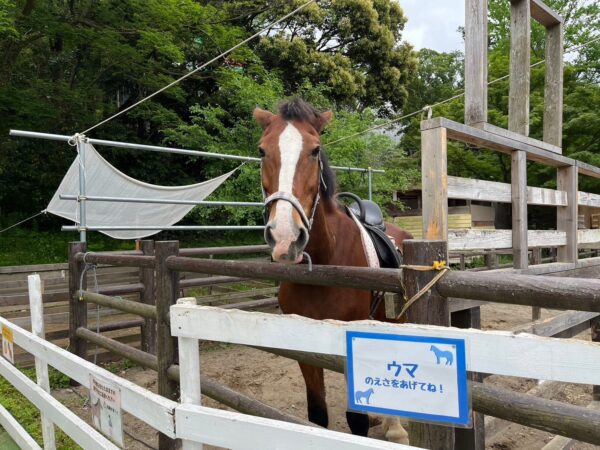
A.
pixel 277 381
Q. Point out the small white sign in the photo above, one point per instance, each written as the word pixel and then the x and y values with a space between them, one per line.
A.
pixel 105 403
pixel 8 350
pixel 422 378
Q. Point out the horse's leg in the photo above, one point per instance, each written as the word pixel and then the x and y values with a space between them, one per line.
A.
pixel 315 394
pixel 394 431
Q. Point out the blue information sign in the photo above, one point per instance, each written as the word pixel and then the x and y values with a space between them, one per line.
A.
pixel 422 378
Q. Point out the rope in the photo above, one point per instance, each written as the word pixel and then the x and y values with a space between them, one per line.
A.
pixel 43 211
pixel 216 58
pixel 437 265
pixel 428 108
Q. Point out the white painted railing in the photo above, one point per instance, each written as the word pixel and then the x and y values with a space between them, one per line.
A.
pixel 197 424
pixel 497 352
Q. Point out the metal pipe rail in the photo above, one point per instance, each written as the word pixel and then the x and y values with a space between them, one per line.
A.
pixel 162 228
pixel 101 198
pixel 529 290
pixel 157 148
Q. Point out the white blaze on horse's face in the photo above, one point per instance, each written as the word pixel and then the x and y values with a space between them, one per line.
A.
pixel 285 236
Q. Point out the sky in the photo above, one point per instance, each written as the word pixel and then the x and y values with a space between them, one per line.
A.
pixel 433 24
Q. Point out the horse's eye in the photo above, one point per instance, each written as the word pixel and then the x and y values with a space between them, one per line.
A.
pixel 316 152
pixel 261 152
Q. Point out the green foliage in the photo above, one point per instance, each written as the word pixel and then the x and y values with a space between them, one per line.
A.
pixel 27 414
pixel 67 65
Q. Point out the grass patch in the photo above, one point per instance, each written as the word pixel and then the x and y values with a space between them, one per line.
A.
pixel 27 414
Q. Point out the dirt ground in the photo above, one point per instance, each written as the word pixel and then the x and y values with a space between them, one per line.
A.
pixel 277 381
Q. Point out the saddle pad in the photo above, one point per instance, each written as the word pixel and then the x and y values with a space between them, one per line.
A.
pixel 367 243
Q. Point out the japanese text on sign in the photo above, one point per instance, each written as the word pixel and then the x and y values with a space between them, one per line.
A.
pixel 423 378
pixel 105 403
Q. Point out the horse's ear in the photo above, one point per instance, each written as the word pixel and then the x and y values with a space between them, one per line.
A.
pixel 263 117
pixel 323 119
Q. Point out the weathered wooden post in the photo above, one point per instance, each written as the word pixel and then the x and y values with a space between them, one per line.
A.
pixel 431 309
pixel 148 296
pixel 536 258
pixel 595 327
pixel 470 438
pixel 77 308
pixel 167 291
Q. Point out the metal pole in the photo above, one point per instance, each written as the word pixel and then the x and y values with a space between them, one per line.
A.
pixel 155 148
pixel 163 228
pixel 81 143
pixel 370 172
pixel 101 198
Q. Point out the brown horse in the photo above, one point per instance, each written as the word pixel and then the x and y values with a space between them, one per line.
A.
pixel 303 215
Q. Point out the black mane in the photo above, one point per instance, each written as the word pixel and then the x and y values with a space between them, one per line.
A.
pixel 298 110
pixel 328 178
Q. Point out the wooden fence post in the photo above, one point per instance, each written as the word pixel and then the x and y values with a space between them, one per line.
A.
pixel 148 296
pixel 167 291
pixel 476 64
pixel 77 308
pixel 566 180
pixel 536 258
pixel 595 327
pixel 431 309
pixel 470 438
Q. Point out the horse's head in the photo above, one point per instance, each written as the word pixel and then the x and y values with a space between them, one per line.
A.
pixel 292 175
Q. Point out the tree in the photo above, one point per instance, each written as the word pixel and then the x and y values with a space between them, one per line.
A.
pixel 353 47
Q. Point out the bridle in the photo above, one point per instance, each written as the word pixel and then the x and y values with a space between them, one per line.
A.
pixel 293 200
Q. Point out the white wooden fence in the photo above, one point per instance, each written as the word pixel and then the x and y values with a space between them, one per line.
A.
pixel 189 421
pixel 497 352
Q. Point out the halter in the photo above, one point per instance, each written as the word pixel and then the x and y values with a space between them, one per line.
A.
pixel 293 200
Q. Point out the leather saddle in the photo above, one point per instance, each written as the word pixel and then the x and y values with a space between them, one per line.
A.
pixel 370 216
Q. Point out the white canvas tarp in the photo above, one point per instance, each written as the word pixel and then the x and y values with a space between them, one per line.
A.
pixel 102 179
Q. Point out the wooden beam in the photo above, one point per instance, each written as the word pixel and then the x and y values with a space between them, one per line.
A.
pixel 120 304
pixel 493 191
pixel 519 208
pixel 587 199
pixel 474 239
pixel 566 180
pixel 544 14
pixel 573 421
pixel 518 137
pixel 476 64
pixel 484 139
pixel 520 55
pixel 529 290
pixel 553 89
pixel 434 170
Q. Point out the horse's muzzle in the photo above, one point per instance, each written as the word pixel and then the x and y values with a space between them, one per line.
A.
pixel 286 245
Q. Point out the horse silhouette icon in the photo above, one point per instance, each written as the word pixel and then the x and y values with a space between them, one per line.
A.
pixel 366 395
pixel 442 354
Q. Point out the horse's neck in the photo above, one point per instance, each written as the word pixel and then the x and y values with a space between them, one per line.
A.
pixel 334 236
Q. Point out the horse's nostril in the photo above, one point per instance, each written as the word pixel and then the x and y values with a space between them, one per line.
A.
pixel 269 239
pixel 302 238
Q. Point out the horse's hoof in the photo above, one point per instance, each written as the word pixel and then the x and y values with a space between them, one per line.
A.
pixel 397 437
